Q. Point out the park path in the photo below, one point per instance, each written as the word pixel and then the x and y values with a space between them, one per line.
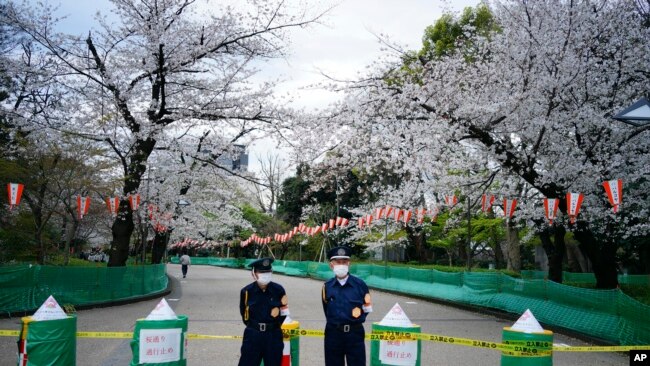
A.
pixel 209 296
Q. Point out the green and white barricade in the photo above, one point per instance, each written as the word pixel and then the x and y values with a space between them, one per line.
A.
pixel 398 352
pixel 291 351
pixel 48 338
pixel 528 336
pixel 160 339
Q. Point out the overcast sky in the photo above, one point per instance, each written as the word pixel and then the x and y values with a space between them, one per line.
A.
pixel 341 48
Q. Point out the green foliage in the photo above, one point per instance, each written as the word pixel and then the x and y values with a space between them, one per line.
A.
pixel 450 34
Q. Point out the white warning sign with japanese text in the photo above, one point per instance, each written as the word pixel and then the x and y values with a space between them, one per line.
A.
pixel 397 352
pixel 160 345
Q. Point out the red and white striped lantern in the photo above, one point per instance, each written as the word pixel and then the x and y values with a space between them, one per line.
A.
pixel 509 207
pixel 550 209
pixel 368 220
pixel 15 192
pixel 573 203
pixel 486 202
pixel 134 201
pixel 420 213
pixel 614 189
pixel 388 211
pixel 345 222
pixel 113 205
pixel 360 222
pixel 451 201
pixel 379 212
pixel 83 204
pixel 407 216
pixel 398 214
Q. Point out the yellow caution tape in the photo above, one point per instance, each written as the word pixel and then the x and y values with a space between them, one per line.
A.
pixel 512 348
pixel 113 335
pixel 203 336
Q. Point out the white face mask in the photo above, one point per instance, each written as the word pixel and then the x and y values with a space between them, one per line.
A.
pixel 264 278
pixel 340 270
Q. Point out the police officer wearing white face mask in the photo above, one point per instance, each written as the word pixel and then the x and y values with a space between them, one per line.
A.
pixel 263 306
pixel 346 303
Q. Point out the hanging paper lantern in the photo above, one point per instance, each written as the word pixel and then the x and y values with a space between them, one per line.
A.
pixel 317 229
pixel 113 205
pixel 134 201
pixel 420 215
pixel 331 225
pixel 152 210
pixel 83 204
pixel 379 212
pixel 573 203
pixel 398 214
pixel 407 216
pixel 388 211
pixel 295 230
pixel 509 207
pixel 451 201
pixel 15 191
pixel 486 202
pixel 368 219
pixel 360 221
pixel 614 189
pixel 345 222
pixel 434 213
pixel 338 220
pixel 550 209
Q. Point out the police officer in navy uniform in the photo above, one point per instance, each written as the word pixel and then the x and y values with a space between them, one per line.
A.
pixel 263 306
pixel 346 303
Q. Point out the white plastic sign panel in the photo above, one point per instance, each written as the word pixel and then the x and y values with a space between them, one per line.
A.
pixel 400 353
pixel 50 310
pixel 396 317
pixel 160 345
pixel 527 323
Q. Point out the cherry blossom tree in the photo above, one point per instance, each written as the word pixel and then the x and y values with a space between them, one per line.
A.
pixel 156 75
pixel 532 102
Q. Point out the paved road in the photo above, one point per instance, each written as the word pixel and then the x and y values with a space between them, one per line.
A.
pixel 210 298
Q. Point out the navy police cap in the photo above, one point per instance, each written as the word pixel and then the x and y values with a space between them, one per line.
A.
pixel 262 264
pixel 339 253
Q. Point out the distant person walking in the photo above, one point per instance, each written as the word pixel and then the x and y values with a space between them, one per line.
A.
pixel 346 303
pixel 185 263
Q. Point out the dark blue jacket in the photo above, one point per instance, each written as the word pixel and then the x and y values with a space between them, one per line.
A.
pixel 257 306
pixel 348 304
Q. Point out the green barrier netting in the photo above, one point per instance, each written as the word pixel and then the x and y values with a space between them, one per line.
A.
pixel 50 342
pixel 607 314
pixel 160 342
pixel 25 288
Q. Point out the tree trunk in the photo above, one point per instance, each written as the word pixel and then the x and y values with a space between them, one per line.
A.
pixel 602 255
pixel 69 236
pixel 512 251
pixel 416 249
pixel 159 245
pixel 541 260
pixel 555 251
pixel 575 259
pixel 122 229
